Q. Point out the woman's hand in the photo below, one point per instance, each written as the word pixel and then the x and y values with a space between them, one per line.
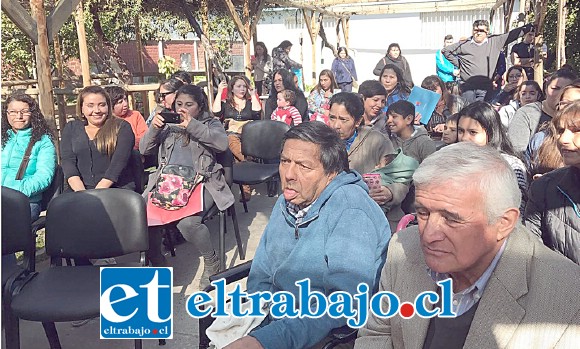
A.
pixel 510 86
pixel 222 86
pixel 158 121
pixel 185 117
pixel 381 196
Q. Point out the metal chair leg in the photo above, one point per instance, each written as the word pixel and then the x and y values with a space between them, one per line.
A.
pixel 169 238
pixel 243 199
pixel 11 329
pixel 222 248
pixel 232 211
pixel 52 335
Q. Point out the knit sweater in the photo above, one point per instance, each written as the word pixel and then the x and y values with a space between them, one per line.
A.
pixel 40 169
pixel 138 125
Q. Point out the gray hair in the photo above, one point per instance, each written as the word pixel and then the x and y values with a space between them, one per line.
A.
pixel 466 161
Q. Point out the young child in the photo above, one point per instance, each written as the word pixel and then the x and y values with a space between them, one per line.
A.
pixel 413 140
pixel 286 112
pixel 450 130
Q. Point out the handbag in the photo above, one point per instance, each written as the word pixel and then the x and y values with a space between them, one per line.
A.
pixel 176 183
pixel 174 186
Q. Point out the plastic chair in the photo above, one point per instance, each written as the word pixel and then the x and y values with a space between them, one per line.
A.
pixel 90 224
pixel 339 335
pixel 262 141
pixel 16 237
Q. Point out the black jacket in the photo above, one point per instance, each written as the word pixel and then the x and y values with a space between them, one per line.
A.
pixel 553 211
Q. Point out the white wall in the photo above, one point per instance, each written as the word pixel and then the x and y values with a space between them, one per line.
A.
pixel 419 35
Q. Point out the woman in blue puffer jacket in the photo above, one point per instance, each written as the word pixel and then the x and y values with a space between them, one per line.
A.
pixel 23 123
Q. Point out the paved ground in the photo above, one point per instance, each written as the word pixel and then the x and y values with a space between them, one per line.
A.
pixel 186 274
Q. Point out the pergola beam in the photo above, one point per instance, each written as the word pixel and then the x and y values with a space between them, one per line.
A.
pixel 21 18
pixel 59 15
pixel 292 4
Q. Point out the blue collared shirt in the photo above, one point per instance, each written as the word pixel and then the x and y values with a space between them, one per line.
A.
pixel 464 300
pixel 350 141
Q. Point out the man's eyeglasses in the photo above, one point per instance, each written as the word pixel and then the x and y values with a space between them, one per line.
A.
pixel 480 31
pixel 162 95
pixel 22 112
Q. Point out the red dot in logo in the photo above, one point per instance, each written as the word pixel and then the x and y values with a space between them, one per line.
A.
pixel 154 331
pixel 407 310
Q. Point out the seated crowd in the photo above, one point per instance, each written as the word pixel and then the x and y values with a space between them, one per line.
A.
pixel 493 180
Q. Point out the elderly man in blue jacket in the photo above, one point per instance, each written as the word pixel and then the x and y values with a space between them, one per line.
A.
pixel 325 228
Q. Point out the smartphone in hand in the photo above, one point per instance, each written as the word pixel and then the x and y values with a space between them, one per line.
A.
pixel 170 117
pixel 373 180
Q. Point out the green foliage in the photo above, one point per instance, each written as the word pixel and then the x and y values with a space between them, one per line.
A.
pixel 572 30
pixel 167 66
pixel 17 52
pixel 222 33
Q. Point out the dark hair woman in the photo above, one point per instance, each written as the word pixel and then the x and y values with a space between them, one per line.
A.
pixel 319 98
pixel 241 106
pixel 374 98
pixel 96 148
pixel 448 105
pixel 121 110
pixel 280 58
pixel 165 96
pixel 262 66
pixel 23 125
pixel 515 76
pixel 284 80
pixel 395 56
pixel 194 143
pixel 366 148
pixel 344 70
pixel 392 79
pixel 479 123
pixel 552 213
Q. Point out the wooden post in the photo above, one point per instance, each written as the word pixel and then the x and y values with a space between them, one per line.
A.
pixel 561 34
pixel 208 64
pixel 60 102
pixel 83 51
pixel 345 28
pixel 539 41
pixel 146 110
pixel 313 28
pixel 45 97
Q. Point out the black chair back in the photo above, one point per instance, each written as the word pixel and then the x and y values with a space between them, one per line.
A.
pixel 226 159
pixel 138 169
pixel 263 139
pixel 16 221
pixel 55 188
pixel 97 223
